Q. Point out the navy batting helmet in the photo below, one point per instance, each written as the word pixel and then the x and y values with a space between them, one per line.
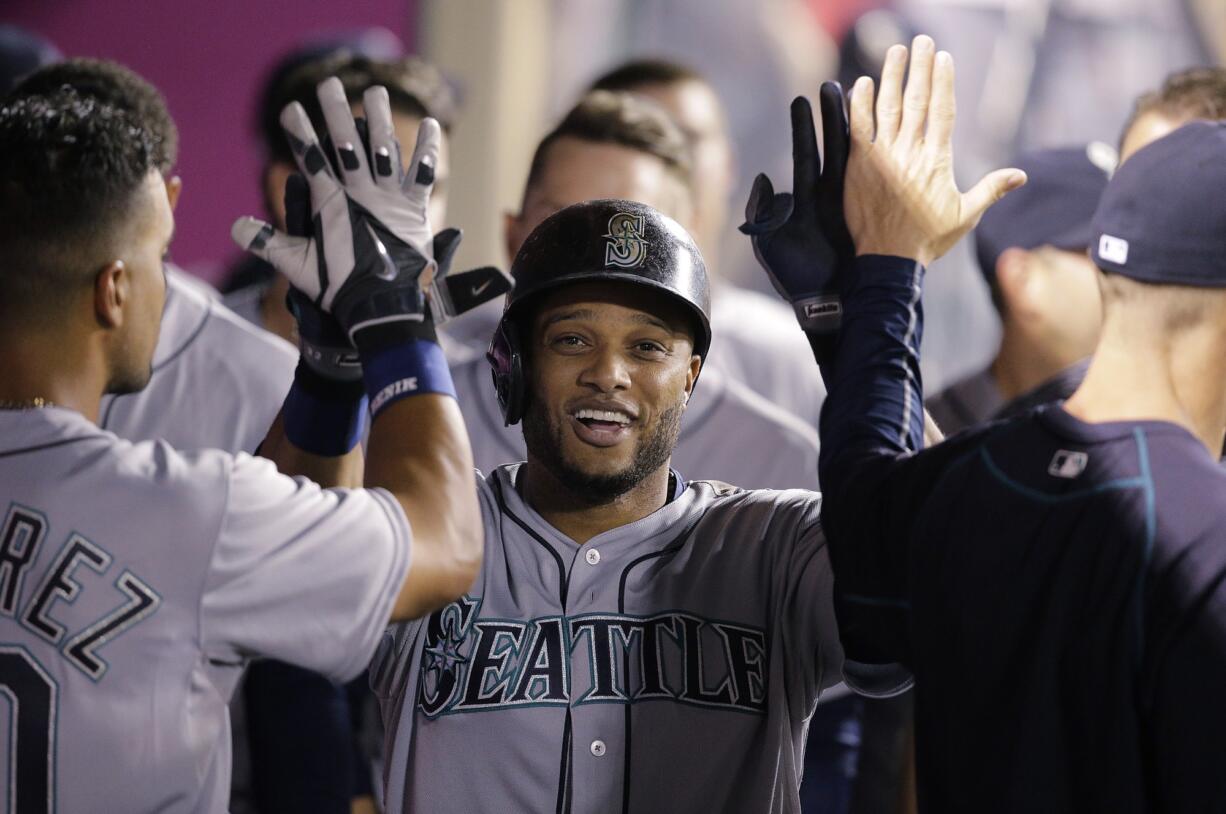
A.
pixel 598 240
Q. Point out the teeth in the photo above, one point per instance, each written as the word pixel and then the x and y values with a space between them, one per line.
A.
pixel 604 415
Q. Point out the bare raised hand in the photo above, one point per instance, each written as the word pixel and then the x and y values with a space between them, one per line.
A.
pixel 900 195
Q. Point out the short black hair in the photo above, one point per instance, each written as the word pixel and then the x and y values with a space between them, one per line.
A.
pixel 70 168
pixel 116 86
pixel 1194 93
pixel 414 86
pixel 640 73
pixel 608 117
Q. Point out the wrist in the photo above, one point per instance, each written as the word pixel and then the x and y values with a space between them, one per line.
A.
pixel 323 416
pixel 414 367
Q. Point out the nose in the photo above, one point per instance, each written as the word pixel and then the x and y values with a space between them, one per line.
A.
pixel 607 371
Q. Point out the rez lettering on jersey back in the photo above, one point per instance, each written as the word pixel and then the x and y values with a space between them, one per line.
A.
pixel 22 537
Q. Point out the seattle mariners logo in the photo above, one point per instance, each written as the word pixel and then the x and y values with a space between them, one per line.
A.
pixel 471 663
pixel 626 248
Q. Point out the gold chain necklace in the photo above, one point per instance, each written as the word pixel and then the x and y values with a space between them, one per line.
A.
pixel 36 403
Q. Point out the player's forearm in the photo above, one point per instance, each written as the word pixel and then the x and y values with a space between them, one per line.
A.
pixel 326 470
pixel 419 452
pixel 317 432
pixel 874 405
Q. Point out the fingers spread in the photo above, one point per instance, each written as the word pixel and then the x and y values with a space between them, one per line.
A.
pixel 942 110
pixel 889 96
pixel 919 91
pixel 345 138
pixel 307 153
pixel 806 163
pixel 420 178
pixel 384 149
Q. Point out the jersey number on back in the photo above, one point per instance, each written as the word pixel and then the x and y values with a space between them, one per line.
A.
pixel 31 697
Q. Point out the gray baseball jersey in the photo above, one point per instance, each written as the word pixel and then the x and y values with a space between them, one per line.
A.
pixel 671 664
pixel 728 433
pixel 218 382
pixel 758 343
pixel 136 581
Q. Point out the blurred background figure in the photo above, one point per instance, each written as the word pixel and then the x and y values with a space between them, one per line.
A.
pixel 1031 249
pixel 755 337
pixel 22 52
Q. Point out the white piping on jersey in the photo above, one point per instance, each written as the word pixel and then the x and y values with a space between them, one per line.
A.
pixel 912 321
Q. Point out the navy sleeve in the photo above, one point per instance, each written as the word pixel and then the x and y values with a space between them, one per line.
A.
pixel 874 480
pixel 300 739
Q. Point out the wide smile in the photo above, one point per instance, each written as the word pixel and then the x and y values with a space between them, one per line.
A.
pixel 601 428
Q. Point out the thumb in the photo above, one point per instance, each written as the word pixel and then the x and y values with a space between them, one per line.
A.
pixel 445 244
pixel 292 256
pixel 990 189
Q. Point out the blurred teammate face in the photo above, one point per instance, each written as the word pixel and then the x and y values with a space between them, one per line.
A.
pixel 610 368
pixel 1066 294
pixel 699 114
pixel 575 171
pixel 141 287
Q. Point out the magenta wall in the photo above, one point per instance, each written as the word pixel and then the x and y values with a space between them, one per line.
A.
pixel 208 59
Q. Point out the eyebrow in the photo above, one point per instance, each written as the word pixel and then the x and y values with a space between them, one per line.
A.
pixel 584 313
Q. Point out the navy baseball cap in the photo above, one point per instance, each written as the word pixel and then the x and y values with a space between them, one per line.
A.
pixel 1162 219
pixel 1054 208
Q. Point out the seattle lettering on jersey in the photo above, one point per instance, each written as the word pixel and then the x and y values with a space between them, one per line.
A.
pixel 471 664
pixel 21 537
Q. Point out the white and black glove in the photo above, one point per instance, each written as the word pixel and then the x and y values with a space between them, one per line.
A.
pixel 370 258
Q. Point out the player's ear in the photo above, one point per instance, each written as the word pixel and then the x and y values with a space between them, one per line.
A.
pixel 111 293
pixel 1015 280
pixel 174 185
pixel 691 375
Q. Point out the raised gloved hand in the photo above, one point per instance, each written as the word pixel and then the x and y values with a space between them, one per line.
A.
pixel 801 238
pixel 369 260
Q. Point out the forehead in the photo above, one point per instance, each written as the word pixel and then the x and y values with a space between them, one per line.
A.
pixel 576 170
pixel 1148 127
pixel 693 104
pixel 611 303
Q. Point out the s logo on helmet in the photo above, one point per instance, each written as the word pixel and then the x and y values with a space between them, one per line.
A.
pixel 626 248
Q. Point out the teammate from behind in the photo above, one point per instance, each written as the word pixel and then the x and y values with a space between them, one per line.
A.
pixel 217 382
pixel 1032 252
pixel 1054 581
pixel 137 580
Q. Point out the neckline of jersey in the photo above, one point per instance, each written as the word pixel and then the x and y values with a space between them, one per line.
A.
pixel 641 532
pixel 1063 423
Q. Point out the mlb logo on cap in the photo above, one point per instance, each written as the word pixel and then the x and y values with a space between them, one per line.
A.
pixel 1114 249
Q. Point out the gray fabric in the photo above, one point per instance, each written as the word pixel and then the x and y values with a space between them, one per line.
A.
pixel 477 701
pixel 239 560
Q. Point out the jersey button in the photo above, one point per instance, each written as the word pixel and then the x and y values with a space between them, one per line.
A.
pixel 598 748
pixel 592 556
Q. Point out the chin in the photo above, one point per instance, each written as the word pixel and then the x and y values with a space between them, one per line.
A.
pixel 129 382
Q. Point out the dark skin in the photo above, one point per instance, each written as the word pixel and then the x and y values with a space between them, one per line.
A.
pixel 605 347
